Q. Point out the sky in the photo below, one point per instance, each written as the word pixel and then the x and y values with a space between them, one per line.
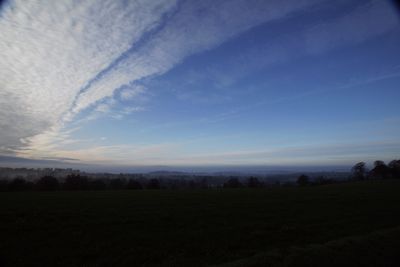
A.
pixel 200 83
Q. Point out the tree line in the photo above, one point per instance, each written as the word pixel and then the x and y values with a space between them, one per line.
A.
pixel 380 170
pixel 360 172
pixel 72 182
pixel 75 182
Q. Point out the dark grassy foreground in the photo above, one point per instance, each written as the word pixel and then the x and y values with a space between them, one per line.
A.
pixel 333 225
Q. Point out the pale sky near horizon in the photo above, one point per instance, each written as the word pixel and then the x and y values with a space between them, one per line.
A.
pixel 229 82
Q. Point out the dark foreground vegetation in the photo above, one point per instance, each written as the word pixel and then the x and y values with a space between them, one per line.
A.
pixel 343 224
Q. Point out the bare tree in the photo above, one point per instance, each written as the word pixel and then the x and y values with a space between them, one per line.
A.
pixel 359 171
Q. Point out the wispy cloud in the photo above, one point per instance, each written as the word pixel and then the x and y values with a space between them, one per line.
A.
pixel 132 92
pixel 371 19
pixel 50 49
pixel 59 58
pixel 122 154
pixel 174 154
pixel 195 27
pixel 315 154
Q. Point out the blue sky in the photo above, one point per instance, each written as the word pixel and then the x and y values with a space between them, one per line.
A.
pixel 200 83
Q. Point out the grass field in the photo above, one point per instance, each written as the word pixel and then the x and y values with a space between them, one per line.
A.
pixel 227 227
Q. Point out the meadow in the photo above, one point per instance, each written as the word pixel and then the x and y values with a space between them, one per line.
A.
pixel 331 225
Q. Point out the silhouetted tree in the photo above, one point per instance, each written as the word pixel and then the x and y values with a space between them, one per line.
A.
pixel 233 183
pixel 380 170
pixel 303 180
pixel 394 166
pixel 359 171
pixel 134 185
pixel 47 183
pixel 153 184
pixel 253 182
pixel 76 182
